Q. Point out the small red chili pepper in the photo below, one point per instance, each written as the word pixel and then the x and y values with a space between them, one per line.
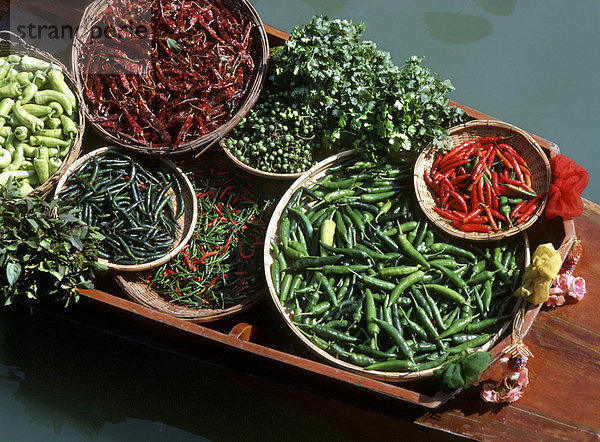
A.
pixel 446 213
pixel 461 201
pixel 491 157
pixel 505 160
pixel 514 153
pixel 471 215
pixel 491 219
pixel 471 227
pixel 244 256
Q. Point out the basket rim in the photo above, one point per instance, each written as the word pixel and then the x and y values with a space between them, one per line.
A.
pixel 22 47
pixel 444 224
pixel 186 187
pixel 255 171
pixel 309 176
pixel 197 146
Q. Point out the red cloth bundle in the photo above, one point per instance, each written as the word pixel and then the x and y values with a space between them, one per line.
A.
pixel 569 179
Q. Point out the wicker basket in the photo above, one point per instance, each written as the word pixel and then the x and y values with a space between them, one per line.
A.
pixel 259 50
pixel 257 172
pixel 187 222
pixel 142 293
pixel 309 177
pixel 522 142
pixel 23 48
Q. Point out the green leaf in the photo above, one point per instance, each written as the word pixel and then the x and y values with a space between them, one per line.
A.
pixel 34 225
pixel 76 241
pixel 173 45
pixel 473 365
pixel 13 271
pixel 453 378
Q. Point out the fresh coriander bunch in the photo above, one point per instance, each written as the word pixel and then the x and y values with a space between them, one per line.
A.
pixel 46 252
pixel 364 100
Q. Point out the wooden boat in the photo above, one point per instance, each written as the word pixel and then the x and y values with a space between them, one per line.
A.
pixel 258 333
pixel 256 343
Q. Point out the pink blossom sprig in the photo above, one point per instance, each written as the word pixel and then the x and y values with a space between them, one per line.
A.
pixel 566 287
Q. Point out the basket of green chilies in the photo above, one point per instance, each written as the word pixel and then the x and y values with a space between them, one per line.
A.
pixel 367 283
pixel 143 205
pixel 41 121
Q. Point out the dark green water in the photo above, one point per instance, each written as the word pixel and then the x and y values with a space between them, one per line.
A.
pixel 532 63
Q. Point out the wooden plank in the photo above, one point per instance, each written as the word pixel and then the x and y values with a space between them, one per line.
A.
pixel 314 367
pixel 562 399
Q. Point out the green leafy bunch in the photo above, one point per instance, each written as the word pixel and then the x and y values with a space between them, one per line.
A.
pixel 364 100
pixel 46 252
pixel 463 372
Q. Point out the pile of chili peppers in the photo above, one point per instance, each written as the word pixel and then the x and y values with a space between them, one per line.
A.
pixel 221 265
pixel 483 185
pixel 182 80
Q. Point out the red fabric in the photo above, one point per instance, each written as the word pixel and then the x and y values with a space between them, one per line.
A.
pixel 569 179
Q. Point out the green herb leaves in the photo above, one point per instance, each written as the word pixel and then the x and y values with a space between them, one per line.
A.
pixel 465 371
pixel 45 251
pixel 364 99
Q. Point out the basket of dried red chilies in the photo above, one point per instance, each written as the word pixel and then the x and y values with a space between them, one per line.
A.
pixel 166 77
pixel 489 180
pixel 218 272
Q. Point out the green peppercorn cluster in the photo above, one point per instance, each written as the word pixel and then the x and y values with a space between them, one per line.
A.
pixel 277 136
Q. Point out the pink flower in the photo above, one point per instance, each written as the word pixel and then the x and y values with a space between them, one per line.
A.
pixel 488 394
pixel 562 282
pixel 577 288
pixel 523 380
pixel 554 300
pixel 512 395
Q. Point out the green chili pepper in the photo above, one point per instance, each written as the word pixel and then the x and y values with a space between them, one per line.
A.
pixel 40 164
pixel 46 96
pixel 472 343
pixel 411 252
pixel 57 82
pixel 5 158
pixel 26 119
pixel 452 250
pixel 405 283
pixel 53 165
pixel 393 333
pixel 456 327
pixel 393 365
pixel 28 93
pixel 29 63
pixel 17 158
pixel 11 90
pixel 446 292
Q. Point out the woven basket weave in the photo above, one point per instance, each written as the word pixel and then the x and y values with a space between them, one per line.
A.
pixel 259 51
pixel 522 142
pixel 142 293
pixel 22 48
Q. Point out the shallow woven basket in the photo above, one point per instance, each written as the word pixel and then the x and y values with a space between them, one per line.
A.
pixel 22 48
pixel 309 177
pixel 257 172
pixel 259 51
pixel 187 221
pixel 522 142
pixel 142 293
